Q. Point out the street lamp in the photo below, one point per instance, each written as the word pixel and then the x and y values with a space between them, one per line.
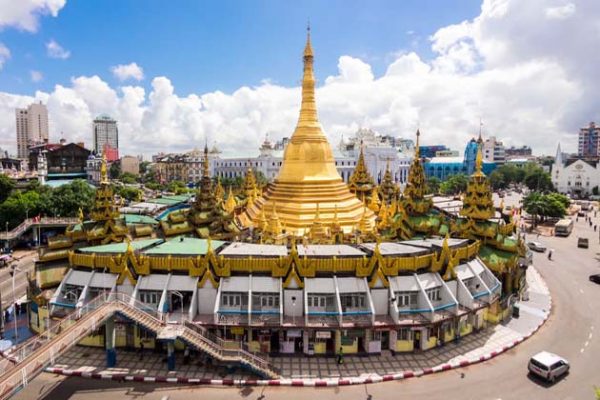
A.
pixel 7 236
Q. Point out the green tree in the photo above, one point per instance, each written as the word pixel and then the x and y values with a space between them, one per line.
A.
pixel 128 178
pixel 433 185
pixel 545 205
pixel 539 180
pixel 66 200
pixel 177 187
pixel 6 186
pixel 454 184
pixel 115 170
pixel 144 167
pixel 128 192
pixel 498 180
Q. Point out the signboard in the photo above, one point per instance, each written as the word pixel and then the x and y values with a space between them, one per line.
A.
pixel 237 330
pixel 293 333
pixel 323 335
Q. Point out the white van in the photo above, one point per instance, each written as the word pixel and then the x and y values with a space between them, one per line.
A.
pixel 548 366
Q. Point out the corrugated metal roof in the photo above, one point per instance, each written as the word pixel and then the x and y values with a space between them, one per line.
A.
pixel 120 247
pixel 78 278
pixel 351 285
pixel 463 272
pixel 404 283
pixel 153 282
pixel 251 249
pixel 329 250
pixel 429 280
pixel 103 280
pixel 235 284
pixel 477 267
pixel 265 284
pixel 319 285
pixel 183 282
pixel 184 246
pixel 389 249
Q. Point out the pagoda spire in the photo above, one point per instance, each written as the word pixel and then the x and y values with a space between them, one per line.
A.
pixel 103 171
pixel 230 204
pixel 478 203
pixel 361 180
pixel 415 201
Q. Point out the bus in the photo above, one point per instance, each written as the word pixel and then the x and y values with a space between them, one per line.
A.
pixel 564 227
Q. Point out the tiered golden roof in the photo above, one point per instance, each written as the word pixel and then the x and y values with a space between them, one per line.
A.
pixel 415 201
pixel 478 203
pixel 388 190
pixel 308 175
pixel 360 180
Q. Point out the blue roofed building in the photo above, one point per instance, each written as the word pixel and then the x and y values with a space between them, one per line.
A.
pixel 444 167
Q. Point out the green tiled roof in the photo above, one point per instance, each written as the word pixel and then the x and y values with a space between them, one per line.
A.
pixel 179 197
pixel 139 219
pixel 164 200
pixel 184 245
pixel 120 247
pixel 494 255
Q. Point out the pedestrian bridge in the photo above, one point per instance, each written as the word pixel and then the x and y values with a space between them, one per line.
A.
pixel 28 360
pixel 44 222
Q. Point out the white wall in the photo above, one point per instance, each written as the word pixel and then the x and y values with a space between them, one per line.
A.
pixel 288 308
pixel 206 300
pixel 380 301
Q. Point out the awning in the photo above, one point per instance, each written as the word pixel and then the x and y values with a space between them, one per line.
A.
pixel 463 272
pixel 403 284
pixel 153 282
pixel 265 284
pixel 319 285
pixel 102 280
pixel 351 285
pixel 183 283
pixel 235 284
pixel 78 278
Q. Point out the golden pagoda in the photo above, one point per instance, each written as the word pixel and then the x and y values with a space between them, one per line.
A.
pixel 219 191
pixel 308 175
pixel 361 182
pixel 108 225
pixel 414 201
pixel 388 190
pixel 478 203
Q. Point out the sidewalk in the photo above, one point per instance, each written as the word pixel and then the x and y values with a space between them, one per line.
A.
pixel 317 371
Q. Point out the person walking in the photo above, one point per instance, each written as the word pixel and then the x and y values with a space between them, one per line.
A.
pixel 340 359
pixel 550 254
pixel 595 228
pixel 141 349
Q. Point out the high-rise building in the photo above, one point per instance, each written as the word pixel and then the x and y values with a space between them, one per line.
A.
pixel 589 141
pixel 32 127
pixel 106 133
pixel 493 151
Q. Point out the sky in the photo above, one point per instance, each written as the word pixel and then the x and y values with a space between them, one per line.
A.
pixel 175 74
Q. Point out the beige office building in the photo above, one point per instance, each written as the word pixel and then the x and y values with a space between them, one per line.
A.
pixel 32 127
pixel 130 164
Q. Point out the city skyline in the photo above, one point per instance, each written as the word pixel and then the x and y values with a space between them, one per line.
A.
pixel 441 74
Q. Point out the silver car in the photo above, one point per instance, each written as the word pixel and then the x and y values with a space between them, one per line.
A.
pixel 536 246
pixel 548 366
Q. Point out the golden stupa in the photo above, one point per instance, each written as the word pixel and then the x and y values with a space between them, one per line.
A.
pixel 308 182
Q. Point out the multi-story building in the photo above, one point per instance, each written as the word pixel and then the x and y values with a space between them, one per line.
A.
pixel 32 127
pixel 575 175
pixel 431 151
pixel 523 151
pixel 444 167
pixel 61 158
pixel 493 151
pixel 131 165
pixel 185 167
pixel 106 132
pixel 589 141
pixel 378 151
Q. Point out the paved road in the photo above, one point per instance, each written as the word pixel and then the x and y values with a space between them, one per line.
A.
pixel 571 331
pixel 24 262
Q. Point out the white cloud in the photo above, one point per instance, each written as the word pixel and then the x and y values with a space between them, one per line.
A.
pixel 522 73
pixel 560 12
pixel 55 50
pixel 36 76
pixel 24 14
pixel 128 71
pixel 4 54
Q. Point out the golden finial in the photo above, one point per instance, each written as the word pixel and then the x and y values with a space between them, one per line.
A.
pixel 230 204
pixel 308 51
pixel 479 160
pixel 205 164
pixel 103 171
pixel 417 151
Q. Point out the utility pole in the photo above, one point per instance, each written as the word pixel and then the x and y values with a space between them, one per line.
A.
pixel 1 318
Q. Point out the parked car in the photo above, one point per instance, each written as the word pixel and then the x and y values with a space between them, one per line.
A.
pixel 548 366
pixel 583 242
pixel 595 278
pixel 536 246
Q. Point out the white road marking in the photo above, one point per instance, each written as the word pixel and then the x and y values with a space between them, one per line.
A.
pixel 581 291
pixel 582 350
pixel 590 335
pixel 586 343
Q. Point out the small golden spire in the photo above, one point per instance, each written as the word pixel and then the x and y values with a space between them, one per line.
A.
pixel 417 151
pixel 80 215
pixel 103 171
pixel 230 204
pixel 374 203
pixel 479 161
pixel 205 164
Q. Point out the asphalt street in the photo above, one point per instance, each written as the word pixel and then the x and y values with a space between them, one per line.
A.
pixel 571 331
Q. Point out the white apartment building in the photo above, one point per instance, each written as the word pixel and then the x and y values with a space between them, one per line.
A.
pixel 493 151
pixel 105 131
pixel 32 127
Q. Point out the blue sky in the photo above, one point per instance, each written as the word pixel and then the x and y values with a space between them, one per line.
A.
pixel 220 45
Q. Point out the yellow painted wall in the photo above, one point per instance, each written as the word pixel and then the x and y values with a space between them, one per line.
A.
pixel 254 346
pixel 449 336
pixel 431 343
pixel 320 347
pixel 466 329
pixel 404 345
pixel 92 341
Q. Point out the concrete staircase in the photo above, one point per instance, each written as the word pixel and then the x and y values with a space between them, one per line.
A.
pixel 33 356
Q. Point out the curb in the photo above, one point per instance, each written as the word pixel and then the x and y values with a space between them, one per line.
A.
pixel 333 382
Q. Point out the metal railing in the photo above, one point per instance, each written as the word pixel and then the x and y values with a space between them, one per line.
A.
pixel 28 223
